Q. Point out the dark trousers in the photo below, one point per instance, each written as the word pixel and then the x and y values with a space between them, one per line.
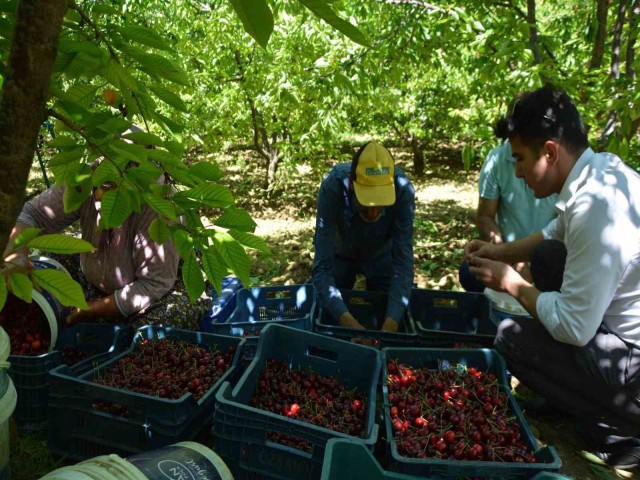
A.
pixel 599 383
pixel 468 281
pixel 377 272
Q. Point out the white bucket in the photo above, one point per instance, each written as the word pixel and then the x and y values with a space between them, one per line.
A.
pixel 5 350
pixel 504 306
pixel 180 460
pixel 7 405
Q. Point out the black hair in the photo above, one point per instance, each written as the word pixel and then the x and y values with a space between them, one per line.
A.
pixel 544 114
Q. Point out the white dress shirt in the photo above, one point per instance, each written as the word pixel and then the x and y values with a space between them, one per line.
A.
pixel 599 222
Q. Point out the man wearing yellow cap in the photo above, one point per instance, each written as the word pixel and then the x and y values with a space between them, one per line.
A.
pixel 364 225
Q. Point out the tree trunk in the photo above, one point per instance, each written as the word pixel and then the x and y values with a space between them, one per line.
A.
pixel 272 168
pixel 634 17
pixel 617 39
pixel 418 157
pixel 24 96
pixel 616 47
pixel 601 34
pixel 533 31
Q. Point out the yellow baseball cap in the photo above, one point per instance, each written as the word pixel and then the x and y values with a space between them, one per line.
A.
pixel 373 182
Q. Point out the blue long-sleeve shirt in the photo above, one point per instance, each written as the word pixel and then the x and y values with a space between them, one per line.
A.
pixel 340 231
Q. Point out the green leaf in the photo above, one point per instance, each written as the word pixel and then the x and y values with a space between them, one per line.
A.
pixel 169 97
pixel 78 187
pixel 61 286
pixel 206 171
pixel 163 157
pixel 102 9
pixel 8 6
pixel 321 9
pixel 192 277
pixel 158 65
pixel 58 243
pixel 250 240
pixel 256 17
pixel 233 254
pixel 21 286
pixel 62 141
pixel 211 195
pixel 25 236
pixel 4 292
pixel 214 267
pixel 161 206
pixel 183 242
pixel 143 138
pixel 82 94
pixel 67 156
pixel 114 125
pixel 180 174
pixel 237 218
pixel 159 231
pixel 116 208
pixel 145 36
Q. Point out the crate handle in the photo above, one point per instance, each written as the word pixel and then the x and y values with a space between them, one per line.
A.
pixel 445 302
pixel 323 353
pixel 278 294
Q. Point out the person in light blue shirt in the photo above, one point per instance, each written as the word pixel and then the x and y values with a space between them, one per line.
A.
pixel 581 349
pixel 507 208
pixel 364 225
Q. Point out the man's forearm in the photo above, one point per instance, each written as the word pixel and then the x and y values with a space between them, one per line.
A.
pixel 519 250
pixel 17 229
pixel 488 229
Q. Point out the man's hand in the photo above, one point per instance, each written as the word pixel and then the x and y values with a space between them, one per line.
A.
pixel 19 261
pixel 349 321
pixel 498 276
pixel 78 315
pixel 389 325
pixel 480 248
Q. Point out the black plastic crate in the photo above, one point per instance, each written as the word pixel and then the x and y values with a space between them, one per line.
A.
pixel 485 360
pixel 78 430
pixel 447 319
pixel 256 307
pixel 30 374
pixel 370 309
pixel 241 432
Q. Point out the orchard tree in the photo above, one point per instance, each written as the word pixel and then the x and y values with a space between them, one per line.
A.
pixel 96 70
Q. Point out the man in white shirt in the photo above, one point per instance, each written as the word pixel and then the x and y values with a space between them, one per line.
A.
pixel 581 350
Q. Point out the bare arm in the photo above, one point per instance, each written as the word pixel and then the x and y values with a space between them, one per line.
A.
pixel 20 256
pixel 486 220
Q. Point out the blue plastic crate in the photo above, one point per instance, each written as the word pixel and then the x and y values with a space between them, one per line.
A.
pixel 370 309
pixel 78 430
pixel 30 374
pixel 351 460
pixel 447 319
pixel 223 304
pixel 256 307
pixel 241 431
pixel 485 360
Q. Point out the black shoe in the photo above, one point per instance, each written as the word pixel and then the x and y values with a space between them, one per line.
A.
pixel 623 456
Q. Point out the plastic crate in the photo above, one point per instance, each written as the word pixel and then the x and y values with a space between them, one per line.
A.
pixel 30 374
pixel 241 431
pixel 223 304
pixel 350 460
pixel 551 476
pixel 256 307
pixel 370 309
pixel 446 319
pixel 78 430
pixel 485 360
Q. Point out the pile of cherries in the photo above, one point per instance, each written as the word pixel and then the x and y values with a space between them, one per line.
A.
pixel 309 397
pixel 27 327
pixel 167 369
pixel 457 413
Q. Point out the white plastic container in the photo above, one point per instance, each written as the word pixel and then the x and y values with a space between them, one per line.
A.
pixel 181 460
pixel 8 402
pixel 503 306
